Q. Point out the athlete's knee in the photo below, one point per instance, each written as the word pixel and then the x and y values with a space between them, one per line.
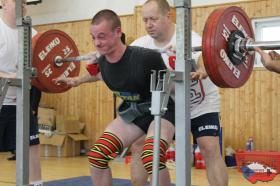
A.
pixel 138 173
pixel 147 154
pixel 139 179
pixel 104 149
pixel 210 149
pixel 137 147
pixel 139 176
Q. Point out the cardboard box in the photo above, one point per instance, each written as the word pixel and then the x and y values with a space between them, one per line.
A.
pixel 82 127
pixel 66 125
pixel 45 128
pixel 61 145
pixel 46 117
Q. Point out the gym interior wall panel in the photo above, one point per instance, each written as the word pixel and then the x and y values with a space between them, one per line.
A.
pixel 250 111
pixel 140 30
pixel 58 11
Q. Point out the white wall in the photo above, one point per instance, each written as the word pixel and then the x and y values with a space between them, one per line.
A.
pixel 51 11
pixel 195 2
pixel 54 11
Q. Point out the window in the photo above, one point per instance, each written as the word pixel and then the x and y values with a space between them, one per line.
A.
pixel 266 30
pixel 33 1
pixel 30 2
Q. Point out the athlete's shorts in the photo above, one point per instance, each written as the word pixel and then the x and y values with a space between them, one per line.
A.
pixel 143 122
pixel 8 128
pixel 206 125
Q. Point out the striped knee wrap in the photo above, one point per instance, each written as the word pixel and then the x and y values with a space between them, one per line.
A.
pixel 104 149
pixel 147 154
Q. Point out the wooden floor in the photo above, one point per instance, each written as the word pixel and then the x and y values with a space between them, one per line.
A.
pixel 61 168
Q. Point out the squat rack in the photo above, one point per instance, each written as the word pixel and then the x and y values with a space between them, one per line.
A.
pixel 160 94
pixel 22 82
pixel 23 96
pixel 183 110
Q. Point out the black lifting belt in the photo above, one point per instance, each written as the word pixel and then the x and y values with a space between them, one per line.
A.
pixel 129 111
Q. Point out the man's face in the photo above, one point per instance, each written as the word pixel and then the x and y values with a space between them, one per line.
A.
pixel 103 37
pixel 9 7
pixel 153 20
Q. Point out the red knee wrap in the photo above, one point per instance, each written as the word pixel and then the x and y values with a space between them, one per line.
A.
pixel 103 150
pixel 147 154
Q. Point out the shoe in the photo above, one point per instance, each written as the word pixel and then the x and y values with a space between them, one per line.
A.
pixel 12 158
pixel 37 183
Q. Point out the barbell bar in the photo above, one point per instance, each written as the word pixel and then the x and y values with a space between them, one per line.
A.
pixel 58 60
pixel 243 44
pixel 264 45
pixel 249 45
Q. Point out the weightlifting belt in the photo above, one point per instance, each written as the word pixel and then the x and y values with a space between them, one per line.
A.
pixel 129 111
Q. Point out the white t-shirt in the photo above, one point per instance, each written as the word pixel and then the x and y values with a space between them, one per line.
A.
pixel 205 96
pixel 8 56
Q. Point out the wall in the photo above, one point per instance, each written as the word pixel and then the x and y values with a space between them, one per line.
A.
pixel 252 110
pixel 56 11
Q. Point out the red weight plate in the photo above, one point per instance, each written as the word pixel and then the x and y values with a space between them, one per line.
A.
pixel 46 46
pixel 34 81
pixel 205 47
pixel 219 25
pixel 37 84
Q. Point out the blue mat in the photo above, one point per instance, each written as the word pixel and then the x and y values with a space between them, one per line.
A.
pixel 84 181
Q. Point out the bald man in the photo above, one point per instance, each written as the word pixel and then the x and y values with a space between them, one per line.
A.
pixel 205 99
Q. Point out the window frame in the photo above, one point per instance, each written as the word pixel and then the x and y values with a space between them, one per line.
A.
pixel 30 2
pixel 258 24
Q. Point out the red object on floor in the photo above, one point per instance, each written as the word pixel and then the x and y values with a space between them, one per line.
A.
pixel 199 161
pixel 271 159
pixel 170 154
pixel 258 166
pixel 257 172
pixel 127 159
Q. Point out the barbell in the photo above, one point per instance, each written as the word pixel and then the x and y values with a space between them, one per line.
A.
pixel 227 51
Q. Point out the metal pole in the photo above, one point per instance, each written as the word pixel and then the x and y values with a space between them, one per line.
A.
pixel 23 96
pixel 156 150
pixel 3 90
pixel 59 59
pixel 182 92
pixel 156 111
pixel 264 45
pixel 160 95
